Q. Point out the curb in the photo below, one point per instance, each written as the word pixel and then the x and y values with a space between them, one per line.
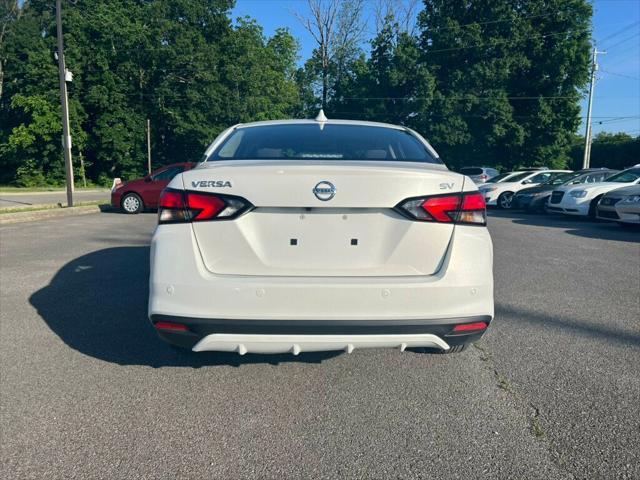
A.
pixel 20 217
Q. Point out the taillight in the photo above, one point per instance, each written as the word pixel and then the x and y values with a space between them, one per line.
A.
pixel 468 208
pixel 178 206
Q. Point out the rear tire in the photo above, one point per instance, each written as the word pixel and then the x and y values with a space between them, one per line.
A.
pixel 505 200
pixel 132 203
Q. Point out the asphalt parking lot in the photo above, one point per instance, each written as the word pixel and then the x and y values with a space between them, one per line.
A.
pixel 552 391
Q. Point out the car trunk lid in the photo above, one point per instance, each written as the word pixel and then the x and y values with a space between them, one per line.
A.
pixel 291 232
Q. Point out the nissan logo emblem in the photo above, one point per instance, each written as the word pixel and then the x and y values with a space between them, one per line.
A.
pixel 324 191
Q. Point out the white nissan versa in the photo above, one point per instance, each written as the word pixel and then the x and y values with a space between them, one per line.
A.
pixel 313 235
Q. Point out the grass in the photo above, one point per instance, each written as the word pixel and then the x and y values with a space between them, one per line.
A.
pixel 536 427
pixel 10 189
pixel 37 208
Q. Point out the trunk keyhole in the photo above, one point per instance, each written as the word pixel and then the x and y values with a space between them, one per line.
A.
pixel 293 241
pixel 354 241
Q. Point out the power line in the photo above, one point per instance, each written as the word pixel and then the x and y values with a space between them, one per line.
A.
pixel 617 120
pixel 618 32
pixel 623 41
pixel 619 74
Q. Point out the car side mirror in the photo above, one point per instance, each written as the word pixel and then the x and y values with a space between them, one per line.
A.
pixel 526 182
pixel 148 178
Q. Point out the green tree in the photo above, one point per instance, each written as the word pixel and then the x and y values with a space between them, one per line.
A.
pixel 393 85
pixel 509 76
pixel 611 150
pixel 183 64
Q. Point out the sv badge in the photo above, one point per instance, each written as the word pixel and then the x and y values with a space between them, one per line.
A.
pixel 446 186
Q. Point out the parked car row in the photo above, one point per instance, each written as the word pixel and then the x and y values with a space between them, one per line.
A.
pixel 595 193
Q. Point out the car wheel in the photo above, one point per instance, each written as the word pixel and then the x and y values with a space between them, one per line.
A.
pixel 505 200
pixel 593 207
pixel 132 203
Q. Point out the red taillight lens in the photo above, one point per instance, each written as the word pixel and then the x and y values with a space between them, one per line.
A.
pixel 177 206
pixel 441 208
pixel 467 208
pixel 176 327
pixel 204 207
pixel 473 201
pixel 470 327
pixel 171 199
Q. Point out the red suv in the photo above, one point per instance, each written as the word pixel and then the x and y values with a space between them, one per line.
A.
pixel 136 195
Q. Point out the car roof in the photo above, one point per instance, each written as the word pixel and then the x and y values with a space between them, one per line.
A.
pixel 363 123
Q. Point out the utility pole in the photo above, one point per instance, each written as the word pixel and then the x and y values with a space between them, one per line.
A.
pixel 66 134
pixel 149 145
pixel 587 134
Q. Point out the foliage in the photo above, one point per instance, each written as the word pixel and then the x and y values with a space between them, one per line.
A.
pixel 612 150
pixel 507 91
pixel 489 83
pixel 393 85
pixel 182 64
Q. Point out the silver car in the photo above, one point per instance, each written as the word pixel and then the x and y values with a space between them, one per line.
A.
pixel 479 174
pixel 621 205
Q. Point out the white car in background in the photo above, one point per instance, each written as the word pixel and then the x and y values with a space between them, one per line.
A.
pixel 501 194
pixel 312 235
pixel 583 199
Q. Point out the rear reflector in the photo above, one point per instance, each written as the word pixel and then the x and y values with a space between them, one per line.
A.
pixel 176 327
pixel 179 206
pixel 468 208
pixel 470 327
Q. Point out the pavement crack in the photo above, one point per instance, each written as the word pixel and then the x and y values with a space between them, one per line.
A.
pixel 536 427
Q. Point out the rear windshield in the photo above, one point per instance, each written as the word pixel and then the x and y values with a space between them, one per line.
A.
pixel 331 142
pixel 471 171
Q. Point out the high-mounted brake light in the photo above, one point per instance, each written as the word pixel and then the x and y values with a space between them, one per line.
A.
pixel 468 208
pixel 178 206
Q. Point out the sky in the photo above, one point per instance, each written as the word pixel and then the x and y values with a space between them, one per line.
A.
pixel 616 29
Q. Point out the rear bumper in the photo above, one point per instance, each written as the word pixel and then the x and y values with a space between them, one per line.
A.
pixel 182 290
pixel 295 336
pixel 181 286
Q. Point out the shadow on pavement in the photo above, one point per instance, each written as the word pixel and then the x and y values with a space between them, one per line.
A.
pixel 573 225
pixel 97 304
pixel 569 325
